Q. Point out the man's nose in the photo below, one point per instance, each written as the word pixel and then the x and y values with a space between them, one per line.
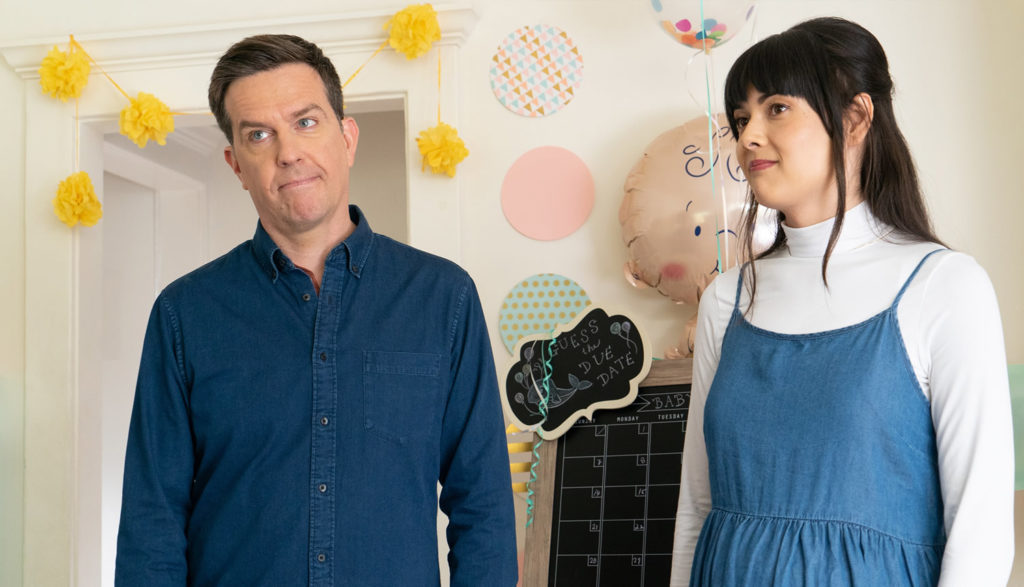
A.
pixel 288 150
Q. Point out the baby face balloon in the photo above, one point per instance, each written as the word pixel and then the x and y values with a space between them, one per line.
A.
pixel 674 224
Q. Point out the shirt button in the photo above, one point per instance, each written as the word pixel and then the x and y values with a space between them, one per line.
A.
pixel 323 356
pixel 305 297
pixel 321 557
pixel 323 488
pixel 324 421
pixel 355 269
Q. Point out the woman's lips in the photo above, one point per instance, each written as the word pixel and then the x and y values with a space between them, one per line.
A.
pixel 760 164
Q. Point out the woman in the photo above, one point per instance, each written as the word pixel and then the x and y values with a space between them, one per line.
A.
pixel 849 420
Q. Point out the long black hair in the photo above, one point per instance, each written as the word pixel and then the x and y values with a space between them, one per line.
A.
pixel 827 62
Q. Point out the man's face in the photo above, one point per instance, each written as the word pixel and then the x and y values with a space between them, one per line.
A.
pixel 290 151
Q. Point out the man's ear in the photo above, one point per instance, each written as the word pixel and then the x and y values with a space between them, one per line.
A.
pixel 350 130
pixel 229 158
pixel 858 117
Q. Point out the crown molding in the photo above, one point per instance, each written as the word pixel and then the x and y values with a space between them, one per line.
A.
pixel 198 139
pixel 351 32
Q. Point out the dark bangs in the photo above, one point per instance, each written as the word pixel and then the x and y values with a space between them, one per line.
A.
pixel 789 63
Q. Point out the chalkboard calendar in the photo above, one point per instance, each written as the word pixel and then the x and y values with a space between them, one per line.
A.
pixel 608 489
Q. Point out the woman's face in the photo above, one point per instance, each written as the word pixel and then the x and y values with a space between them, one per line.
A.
pixel 786 155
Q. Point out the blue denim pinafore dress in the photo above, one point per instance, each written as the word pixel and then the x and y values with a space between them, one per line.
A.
pixel 822 460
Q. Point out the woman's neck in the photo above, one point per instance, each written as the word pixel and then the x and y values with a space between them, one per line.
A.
pixel 859 228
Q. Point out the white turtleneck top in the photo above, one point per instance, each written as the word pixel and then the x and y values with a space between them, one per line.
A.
pixel 949 321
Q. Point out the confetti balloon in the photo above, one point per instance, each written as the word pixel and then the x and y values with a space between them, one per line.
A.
pixel 721 20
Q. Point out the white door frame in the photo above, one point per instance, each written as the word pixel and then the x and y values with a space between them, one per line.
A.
pixel 173 64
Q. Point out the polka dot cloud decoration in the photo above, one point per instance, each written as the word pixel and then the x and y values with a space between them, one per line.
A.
pixel 537 304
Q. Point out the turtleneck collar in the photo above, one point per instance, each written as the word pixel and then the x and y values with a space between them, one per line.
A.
pixel 860 228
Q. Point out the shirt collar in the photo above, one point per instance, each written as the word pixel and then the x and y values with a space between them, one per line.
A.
pixel 357 245
pixel 860 228
pixel 351 254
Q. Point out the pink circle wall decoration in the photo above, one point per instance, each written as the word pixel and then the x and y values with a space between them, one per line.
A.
pixel 547 193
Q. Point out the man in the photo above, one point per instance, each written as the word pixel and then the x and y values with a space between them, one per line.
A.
pixel 300 398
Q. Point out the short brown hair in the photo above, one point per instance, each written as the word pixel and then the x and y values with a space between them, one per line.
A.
pixel 261 53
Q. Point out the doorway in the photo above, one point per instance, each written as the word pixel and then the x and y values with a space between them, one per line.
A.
pixel 167 210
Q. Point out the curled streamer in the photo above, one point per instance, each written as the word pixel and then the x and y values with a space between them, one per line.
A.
pixel 543 406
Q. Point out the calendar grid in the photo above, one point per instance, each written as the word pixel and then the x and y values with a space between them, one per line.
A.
pixel 616 486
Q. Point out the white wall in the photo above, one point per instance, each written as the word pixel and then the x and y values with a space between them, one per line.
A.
pixel 634 88
pixel 12 327
pixel 958 79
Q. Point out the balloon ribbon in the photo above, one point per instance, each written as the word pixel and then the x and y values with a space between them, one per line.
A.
pixel 543 392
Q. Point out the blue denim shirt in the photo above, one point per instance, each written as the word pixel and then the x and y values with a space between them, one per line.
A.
pixel 280 437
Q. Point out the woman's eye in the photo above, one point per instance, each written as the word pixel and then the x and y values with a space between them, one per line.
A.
pixel 778 108
pixel 741 122
pixel 306 122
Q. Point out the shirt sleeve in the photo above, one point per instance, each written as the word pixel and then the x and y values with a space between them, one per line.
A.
pixel 476 492
pixel 970 401
pixel 694 487
pixel 156 502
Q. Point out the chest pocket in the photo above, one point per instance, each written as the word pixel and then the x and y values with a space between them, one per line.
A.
pixel 401 394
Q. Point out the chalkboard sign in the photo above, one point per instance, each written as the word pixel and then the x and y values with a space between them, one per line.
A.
pixel 594 362
pixel 606 492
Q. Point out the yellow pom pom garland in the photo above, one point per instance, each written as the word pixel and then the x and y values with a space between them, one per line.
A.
pixel 76 201
pixel 146 118
pixel 413 30
pixel 64 74
pixel 442 149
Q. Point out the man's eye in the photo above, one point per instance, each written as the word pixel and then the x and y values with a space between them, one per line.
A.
pixel 306 122
pixel 258 135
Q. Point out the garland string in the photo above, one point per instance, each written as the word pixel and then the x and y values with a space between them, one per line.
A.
pixel 360 68
pixel 78 138
pixel 79 47
pixel 439 84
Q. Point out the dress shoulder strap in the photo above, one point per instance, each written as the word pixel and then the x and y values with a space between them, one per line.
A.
pixel 912 275
pixel 739 286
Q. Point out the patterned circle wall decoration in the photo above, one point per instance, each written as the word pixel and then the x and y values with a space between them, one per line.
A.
pixel 537 305
pixel 547 193
pixel 536 70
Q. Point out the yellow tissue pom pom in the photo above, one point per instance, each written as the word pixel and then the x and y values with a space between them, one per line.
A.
pixel 64 74
pixel 76 201
pixel 146 118
pixel 442 149
pixel 413 29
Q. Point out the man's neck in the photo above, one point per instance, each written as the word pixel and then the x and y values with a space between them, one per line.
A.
pixel 309 250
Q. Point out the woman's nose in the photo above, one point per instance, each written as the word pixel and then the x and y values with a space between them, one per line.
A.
pixel 752 135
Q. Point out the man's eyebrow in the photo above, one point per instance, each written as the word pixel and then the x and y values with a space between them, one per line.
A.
pixel 308 109
pixel 243 124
